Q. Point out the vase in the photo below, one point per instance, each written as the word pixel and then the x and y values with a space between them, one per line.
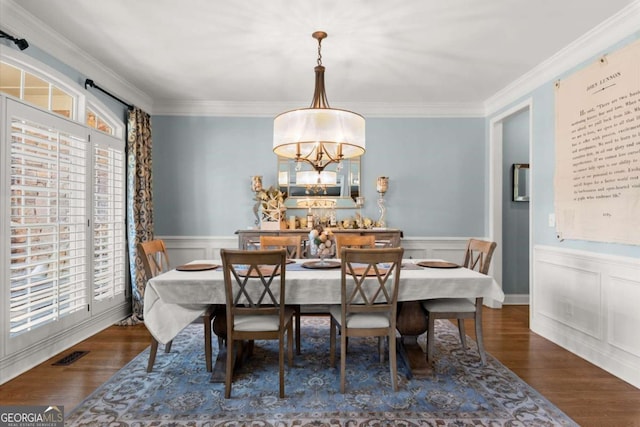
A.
pixel 322 252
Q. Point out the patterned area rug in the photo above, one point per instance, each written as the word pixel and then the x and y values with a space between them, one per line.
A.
pixel 461 392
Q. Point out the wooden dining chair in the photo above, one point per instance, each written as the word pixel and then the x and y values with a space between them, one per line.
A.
pixel 354 241
pixel 369 295
pixel 155 260
pixel 477 257
pixel 293 245
pixel 255 305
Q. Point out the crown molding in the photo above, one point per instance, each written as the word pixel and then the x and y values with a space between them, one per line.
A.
pixel 39 34
pixel 272 109
pixel 621 25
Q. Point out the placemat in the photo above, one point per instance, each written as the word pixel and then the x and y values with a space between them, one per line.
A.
pixel 438 264
pixel 197 267
pixel 321 264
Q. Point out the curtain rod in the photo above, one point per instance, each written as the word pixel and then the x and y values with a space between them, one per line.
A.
pixel 89 82
pixel 21 43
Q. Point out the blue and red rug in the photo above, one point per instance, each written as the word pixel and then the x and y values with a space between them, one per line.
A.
pixel 461 392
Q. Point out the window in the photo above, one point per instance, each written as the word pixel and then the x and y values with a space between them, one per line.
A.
pixel 36 90
pixel 64 251
pixel 97 121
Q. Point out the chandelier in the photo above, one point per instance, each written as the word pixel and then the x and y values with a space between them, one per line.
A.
pixel 319 135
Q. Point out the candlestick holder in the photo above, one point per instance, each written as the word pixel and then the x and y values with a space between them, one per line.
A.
pixel 382 185
pixel 359 204
pixel 256 187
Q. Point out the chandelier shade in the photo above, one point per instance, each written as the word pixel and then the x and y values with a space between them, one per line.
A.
pixel 304 133
pixel 319 135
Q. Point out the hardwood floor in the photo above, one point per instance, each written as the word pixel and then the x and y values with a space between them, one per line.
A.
pixel 589 395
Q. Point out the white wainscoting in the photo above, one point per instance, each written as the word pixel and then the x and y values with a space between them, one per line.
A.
pixel 589 303
pixel 183 249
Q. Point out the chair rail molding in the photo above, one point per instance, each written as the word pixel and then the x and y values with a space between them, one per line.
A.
pixel 183 249
pixel 588 303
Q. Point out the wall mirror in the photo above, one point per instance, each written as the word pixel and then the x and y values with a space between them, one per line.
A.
pixel 520 182
pixel 302 193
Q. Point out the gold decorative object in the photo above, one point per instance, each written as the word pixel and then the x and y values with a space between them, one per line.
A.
pixel 273 209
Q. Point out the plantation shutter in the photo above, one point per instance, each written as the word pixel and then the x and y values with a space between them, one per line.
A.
pixel 108 217
pixel 48 224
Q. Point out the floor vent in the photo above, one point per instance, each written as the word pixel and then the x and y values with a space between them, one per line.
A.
pixel 70 358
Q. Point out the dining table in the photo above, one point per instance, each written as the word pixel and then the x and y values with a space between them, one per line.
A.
pixel 178 297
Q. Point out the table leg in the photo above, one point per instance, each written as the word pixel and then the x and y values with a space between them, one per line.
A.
pixel 411 323
pixel 220 330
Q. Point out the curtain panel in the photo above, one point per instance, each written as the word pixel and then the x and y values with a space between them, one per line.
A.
pixel 139 204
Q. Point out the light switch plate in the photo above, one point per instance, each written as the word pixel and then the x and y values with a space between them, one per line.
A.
pixel 552 220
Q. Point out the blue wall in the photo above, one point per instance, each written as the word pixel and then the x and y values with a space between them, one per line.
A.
pixel 543 166
pixel 515 215
pixel 437 170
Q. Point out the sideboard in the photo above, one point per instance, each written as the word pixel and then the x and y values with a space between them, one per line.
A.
pixel 248 239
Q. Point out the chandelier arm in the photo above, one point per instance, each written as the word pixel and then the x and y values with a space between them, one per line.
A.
pixel 319 167
pixel 321 154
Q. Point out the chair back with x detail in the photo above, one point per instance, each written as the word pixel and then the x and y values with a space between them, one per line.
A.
pixel 255 304
pixel 154 256
pixel 155 260
pixel 477 257
pixel 478 254
pixel 369 294
pixel 293 245
pixel 354 241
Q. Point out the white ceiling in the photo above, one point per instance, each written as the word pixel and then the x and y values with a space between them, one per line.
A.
pixel 391 52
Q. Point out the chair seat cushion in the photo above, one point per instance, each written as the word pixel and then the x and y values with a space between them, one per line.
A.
pixel 360 320
pixel 446 305
pixel 255 323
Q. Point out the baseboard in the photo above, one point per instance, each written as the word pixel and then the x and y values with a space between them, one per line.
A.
pixel 516 299
pixel 17 363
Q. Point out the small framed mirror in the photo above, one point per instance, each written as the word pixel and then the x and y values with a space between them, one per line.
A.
pixel 520 182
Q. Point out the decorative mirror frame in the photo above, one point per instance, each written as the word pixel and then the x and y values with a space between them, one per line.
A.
pixel 349 187
pixel 520 182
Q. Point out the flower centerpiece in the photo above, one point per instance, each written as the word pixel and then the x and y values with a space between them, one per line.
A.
pixel 273 209
pixel 322 242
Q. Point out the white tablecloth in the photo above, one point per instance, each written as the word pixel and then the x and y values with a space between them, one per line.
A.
pixel 174 299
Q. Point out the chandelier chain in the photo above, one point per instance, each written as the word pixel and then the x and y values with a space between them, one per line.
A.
pixel 319 51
